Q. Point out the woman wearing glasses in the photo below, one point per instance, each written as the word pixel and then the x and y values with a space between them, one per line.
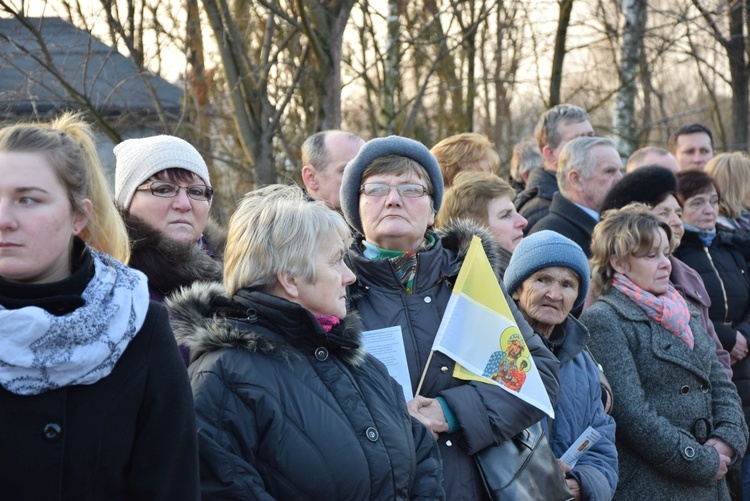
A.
pixel 163 190
pixel 405 271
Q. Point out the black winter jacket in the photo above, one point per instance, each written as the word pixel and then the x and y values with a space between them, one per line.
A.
pixel 723 269
pixel 130 435
pixel 533 202
pixel 486 414
pixel 286 411
pixel 569 220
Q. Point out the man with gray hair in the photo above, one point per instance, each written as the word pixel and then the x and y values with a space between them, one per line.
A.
pixel 526 157
pixel 324 156
pixel 556 127
pixel 652 155
pixel 588 167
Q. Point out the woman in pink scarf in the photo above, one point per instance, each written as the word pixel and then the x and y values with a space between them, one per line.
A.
pixel 680 424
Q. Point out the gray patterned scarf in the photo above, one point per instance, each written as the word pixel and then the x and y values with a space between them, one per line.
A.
pixel 40 351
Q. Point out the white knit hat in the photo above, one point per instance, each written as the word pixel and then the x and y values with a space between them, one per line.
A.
pixel 139 159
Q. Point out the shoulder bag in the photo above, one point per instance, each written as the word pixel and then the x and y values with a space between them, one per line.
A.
pixel 523 467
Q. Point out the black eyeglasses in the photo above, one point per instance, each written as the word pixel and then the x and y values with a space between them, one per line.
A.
pixel 164 189
pixel 407 190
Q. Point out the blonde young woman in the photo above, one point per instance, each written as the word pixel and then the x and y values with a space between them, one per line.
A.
pixel 95 403
pixel 485 200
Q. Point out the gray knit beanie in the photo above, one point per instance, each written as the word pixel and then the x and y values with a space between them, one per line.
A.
pixel 380 147
pixel 139 159
pixel 545 249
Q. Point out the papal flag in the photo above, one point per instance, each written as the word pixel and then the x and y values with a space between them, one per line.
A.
pixel 479 332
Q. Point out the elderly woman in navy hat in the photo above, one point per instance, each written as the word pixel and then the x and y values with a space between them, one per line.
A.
pixel 548 276
pixel 390 194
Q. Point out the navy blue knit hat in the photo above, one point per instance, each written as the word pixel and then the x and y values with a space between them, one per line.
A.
pixel 545 249
pixel 380 147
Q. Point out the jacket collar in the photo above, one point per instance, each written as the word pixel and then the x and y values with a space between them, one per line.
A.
pixel 687 281
pixel 205 319
pixel 575 338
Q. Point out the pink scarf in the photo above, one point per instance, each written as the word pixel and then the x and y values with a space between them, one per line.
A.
pixel 669 309
pixel 328 322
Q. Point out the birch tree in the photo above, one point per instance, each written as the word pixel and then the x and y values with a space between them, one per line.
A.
pixel 631 54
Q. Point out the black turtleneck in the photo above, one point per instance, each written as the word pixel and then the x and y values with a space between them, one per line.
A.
pixel 58 298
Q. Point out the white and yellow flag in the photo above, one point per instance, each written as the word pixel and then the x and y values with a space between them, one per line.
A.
pixel 479 332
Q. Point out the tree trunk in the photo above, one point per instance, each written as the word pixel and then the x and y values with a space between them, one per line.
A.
pixel 471 57
pixel 391 71
pixel 323 22
pixel 738 69
pixel 624 124
pixel 566 8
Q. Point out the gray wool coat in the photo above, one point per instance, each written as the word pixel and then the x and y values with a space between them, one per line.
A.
pixel 668 401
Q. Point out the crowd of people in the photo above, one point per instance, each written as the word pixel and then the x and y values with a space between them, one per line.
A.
pixel 151 354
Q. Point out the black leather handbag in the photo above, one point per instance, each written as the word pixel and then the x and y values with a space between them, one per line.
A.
pixel 523 468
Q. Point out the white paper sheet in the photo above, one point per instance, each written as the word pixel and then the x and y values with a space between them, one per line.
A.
pixel 387 345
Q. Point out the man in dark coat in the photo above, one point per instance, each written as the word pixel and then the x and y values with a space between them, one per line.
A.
pixel 588 168
pixel 556 128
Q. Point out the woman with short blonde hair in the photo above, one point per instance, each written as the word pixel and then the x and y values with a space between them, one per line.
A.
pixel 466 152
pixel 289 403
pixel 731 172
pixel 486 200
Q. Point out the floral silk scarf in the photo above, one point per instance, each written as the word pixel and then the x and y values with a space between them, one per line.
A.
pixel 669 309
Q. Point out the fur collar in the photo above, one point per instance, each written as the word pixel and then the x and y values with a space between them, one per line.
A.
pixel 456 236
pixel 205 319
pixel 170 264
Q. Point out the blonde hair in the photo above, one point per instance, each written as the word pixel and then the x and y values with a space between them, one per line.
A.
pixel 276 230
pixel 731 171
pixel 620 234
pixel 67 144
pixel 463 152
pixel 470 196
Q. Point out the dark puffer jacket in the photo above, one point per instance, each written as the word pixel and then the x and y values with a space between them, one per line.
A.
pixel 486 414
pixel 723 269
pixel 286 411
pixel 533 202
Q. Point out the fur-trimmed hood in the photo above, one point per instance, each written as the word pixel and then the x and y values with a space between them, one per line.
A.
pixel 457 236
pixel 171 264
pixel 205 319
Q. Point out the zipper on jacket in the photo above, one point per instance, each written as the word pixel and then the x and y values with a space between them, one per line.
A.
pixel 721 282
